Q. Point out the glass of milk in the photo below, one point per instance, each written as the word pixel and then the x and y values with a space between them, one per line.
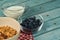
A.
pixel 14 11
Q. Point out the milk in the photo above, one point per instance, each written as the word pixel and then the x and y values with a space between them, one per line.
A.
pixel 14 11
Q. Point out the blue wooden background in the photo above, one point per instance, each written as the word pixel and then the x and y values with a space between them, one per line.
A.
pixel 49 9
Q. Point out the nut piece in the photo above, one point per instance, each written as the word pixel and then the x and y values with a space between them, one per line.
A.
pixel 7 32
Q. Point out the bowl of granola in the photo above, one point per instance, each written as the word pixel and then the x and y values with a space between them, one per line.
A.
pixel 9 28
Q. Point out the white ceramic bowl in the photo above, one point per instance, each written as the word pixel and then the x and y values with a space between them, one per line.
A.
pixel 14 11
pixel 13 24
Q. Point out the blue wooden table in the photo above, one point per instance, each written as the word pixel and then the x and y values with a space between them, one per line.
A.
pixel 49 9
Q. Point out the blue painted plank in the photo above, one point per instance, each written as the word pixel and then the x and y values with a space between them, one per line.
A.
pixel 2 1
pixel 42 8
pixel 53 35
pixel 12 2
pixel 35 2
pixel 51 14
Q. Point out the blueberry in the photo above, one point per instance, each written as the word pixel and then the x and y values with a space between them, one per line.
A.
pixel 25 20
pixel 27 26
pixel 30 25
pixel 38 22
pixel 22 24
pixel 34 23
pixel 32 18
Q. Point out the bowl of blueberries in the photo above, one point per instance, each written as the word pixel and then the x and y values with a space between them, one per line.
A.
pixel 31 24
